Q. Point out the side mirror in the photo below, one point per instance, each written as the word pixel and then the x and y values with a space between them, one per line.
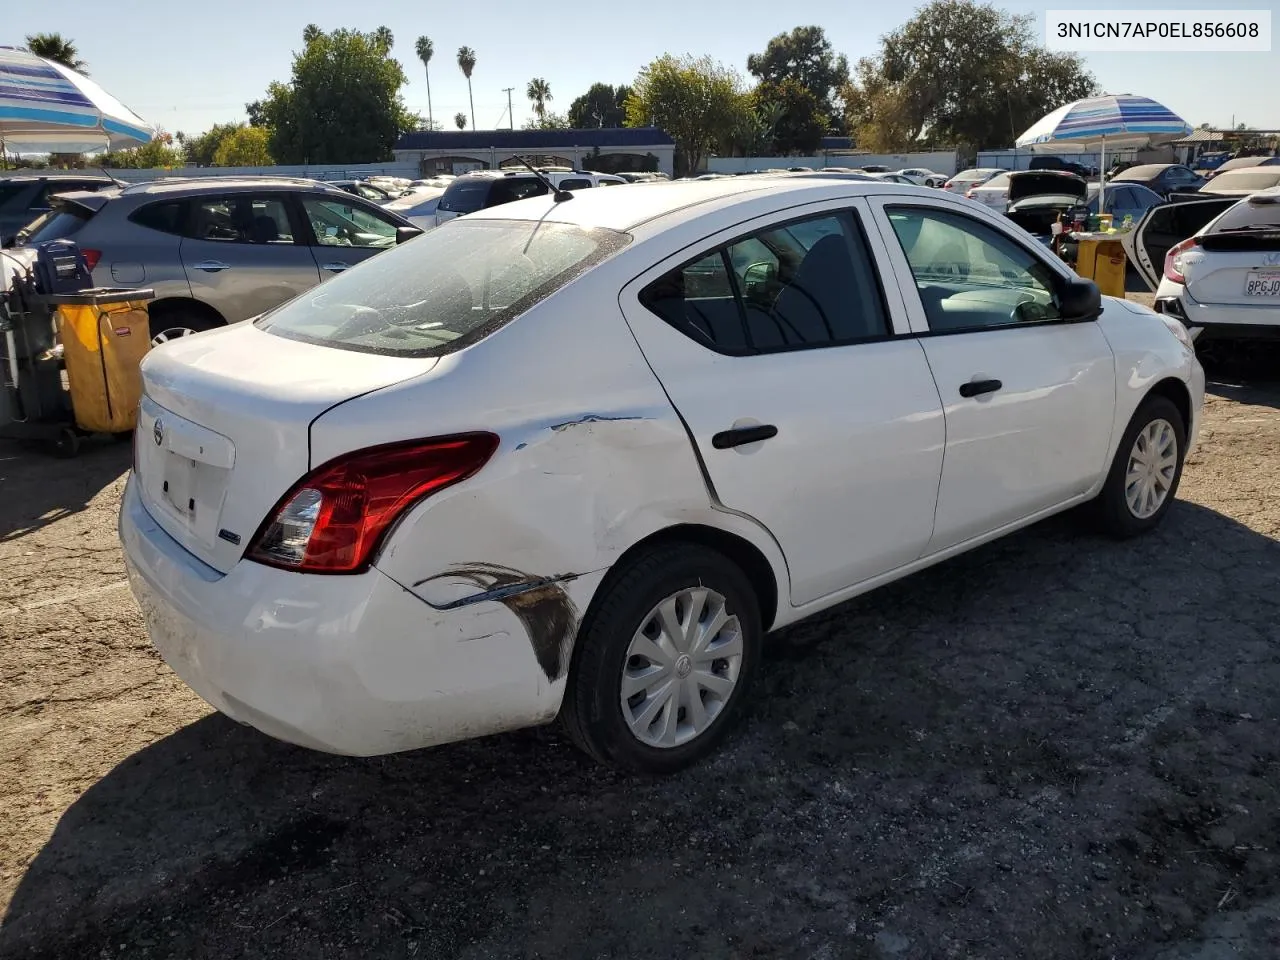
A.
pixel 1079 300
pixel 406 233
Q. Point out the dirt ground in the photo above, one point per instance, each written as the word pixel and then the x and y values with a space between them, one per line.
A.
pixel 1055 747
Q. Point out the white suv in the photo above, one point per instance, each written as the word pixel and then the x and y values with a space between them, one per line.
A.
pixel 490 188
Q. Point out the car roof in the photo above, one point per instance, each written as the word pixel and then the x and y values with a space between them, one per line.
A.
pixel 625 210
pixel 200 185
pixel 1144 171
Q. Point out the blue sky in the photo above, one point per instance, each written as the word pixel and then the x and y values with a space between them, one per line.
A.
pixel 186 68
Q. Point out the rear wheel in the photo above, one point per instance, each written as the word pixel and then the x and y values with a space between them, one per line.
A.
pixel 664 661
pixel 173 323
pixel 1146 471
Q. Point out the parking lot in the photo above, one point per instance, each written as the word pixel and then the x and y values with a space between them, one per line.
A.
pixel 1058 746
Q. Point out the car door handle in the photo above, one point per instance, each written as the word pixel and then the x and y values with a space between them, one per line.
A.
pixel 976 388
pixel 212 266
pixel 336 267
pixel 742 435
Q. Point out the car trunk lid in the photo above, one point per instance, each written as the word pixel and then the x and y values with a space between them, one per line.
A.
pixel 1162 228
pixel 1037 183
pixel 224 428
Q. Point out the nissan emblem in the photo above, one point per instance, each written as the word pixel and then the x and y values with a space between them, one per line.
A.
pixel 157 432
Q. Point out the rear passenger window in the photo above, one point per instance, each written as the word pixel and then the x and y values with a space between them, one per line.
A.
pixel 802 284
pixel 574 183
pixel 507 191
pixel 167 217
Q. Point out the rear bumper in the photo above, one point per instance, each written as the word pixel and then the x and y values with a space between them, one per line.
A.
pixel 1218 321
pixel 352 665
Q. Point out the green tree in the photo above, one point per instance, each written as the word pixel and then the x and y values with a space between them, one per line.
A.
pixel 698 102
pixel 460 120
pixel 245 147
pixel 804 55
pixel 966 72
pixel 426 50
pixel 55 47
pixel 343 103
pixel 467 63
pixel 201 150
pixel 796 118
pixel 159 153
pixel 602 105
pixel 539 92
pixel 548 121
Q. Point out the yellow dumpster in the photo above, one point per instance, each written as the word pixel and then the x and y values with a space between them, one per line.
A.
pixel 1100 258
pixel 105 333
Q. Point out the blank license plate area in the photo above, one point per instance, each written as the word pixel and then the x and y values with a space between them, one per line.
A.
pixel 1262 283
pixel 185 470
pixel 177 487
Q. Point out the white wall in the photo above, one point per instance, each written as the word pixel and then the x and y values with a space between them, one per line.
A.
pixel 314 171
pixel 939 161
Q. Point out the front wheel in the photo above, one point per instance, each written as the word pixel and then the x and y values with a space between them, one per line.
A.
pixel 1146 471
pixel 664 661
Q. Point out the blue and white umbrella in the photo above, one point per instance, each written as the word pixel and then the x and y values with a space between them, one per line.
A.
pixel 1116 120
pixel 45 106
pixel 1096 123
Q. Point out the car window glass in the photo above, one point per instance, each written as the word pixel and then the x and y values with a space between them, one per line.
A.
pixel 1246 216
pixel 465 196
pixel 999 182
pixel 241 219
pixel 337 223
pixel 800 284
pixel 166 216
pixel 574 183
pixel 508 191
pixel 969 275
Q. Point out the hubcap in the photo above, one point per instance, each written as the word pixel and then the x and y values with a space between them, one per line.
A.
pixel 1153 461
pixel 172 333
pixel 682 667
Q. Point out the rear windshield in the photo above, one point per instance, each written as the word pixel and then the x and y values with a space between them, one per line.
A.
pixel 465 196
pixel 444 290
pixel 57 224
pixel 1248 216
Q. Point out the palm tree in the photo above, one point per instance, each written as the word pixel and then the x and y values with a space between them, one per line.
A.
pixel 467 63
pixel 55 47
pixel 384 38
pixel 461 120
pixel 539 91
pixel 426 50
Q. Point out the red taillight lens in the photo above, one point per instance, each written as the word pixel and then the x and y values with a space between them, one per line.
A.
pixel 1173 260
pixel 968 194
pixel 91 257
pixel 335 518
pixel 948 185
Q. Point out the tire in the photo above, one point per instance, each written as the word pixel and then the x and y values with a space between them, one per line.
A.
pixel 1116 514
pixel 594 712
pixel 66 445
pixel 176 322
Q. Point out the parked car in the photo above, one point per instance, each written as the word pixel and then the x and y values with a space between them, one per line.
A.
pixel 24 199
pixel 1238 163
pixel 874 168
pixel 993 193
pixel 368 191
pixel 1065 166
pixel 1163 178
pixel 518 468
pixel 218 250
pixel 418 206
pixel 923 177
pixel 491 188
pixel 966 180
pixel 1223 282
pixel 1038 198
pixel 1164 227
pixel 1125 200
pixel 895 178
pixel 1242 181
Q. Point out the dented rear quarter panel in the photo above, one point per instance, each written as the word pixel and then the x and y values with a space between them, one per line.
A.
pixel 592 459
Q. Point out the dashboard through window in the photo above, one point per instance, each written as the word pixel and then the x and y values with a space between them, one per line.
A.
pixel 969 275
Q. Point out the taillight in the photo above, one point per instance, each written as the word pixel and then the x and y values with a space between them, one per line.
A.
pixel 968 194
pixel 948 185
pixel 335 518
pixel 91 257
pixel 1173 263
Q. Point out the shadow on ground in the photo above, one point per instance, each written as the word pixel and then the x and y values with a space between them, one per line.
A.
pixel 31 500
pixel 1057 746
pixel 1248 372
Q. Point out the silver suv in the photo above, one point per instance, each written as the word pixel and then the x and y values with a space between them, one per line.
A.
pixel 218 250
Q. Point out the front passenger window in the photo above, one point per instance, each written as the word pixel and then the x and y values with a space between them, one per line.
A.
pixel 969 275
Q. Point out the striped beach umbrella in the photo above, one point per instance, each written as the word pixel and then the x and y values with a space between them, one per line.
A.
pixel 45 106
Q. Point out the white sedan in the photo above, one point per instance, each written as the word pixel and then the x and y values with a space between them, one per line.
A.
pixel 923 177
pixel 576 458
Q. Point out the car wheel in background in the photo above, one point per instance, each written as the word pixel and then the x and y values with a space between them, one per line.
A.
pixel 1146 471
pixel 170 323
pixel 664 660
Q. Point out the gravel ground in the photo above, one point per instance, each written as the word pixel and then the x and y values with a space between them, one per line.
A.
pixel 1057 746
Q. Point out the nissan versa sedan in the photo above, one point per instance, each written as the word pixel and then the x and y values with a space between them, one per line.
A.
pixel 576 458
